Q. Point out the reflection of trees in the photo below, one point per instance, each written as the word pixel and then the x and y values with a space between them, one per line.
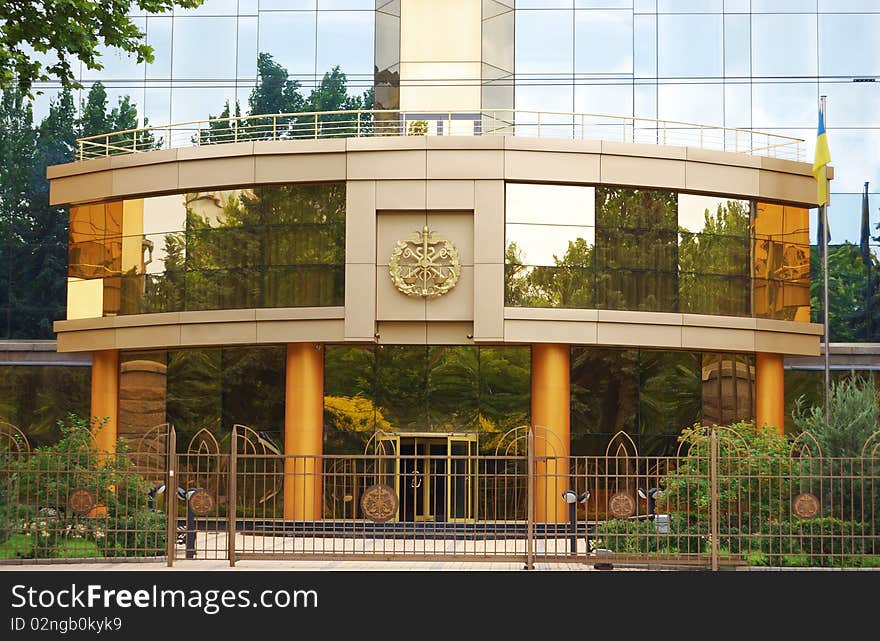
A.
pixel 418 388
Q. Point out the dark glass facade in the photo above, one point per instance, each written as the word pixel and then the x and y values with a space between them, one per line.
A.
pixel 267 246
pixel 652 250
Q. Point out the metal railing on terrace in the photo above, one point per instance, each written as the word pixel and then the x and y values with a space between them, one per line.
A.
pixel 501 122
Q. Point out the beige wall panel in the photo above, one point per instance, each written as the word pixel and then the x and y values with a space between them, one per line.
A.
pixel 643 318
pixel 149 178
pixel 394 226
pixel 450 333
pixel 139 320
pixel 219 334
pixel 218 172
pixel 732 322
pixel 75 325
pixel 457 227
pixel 453 164
pixel 642 150
pixel 448 30
pixel 300 313
pixel 141 159
pixel 79 189
pixel 465 142
pixel 295 331
pixel 360 222
pixel 450 194
pixel 772 325
pixel 216 151
pixel 88 341
pixel 403 333
pixel 740 181
pixel 400 194
pixel 299 167
pixel 489 221
pixel 723 157
pixel 148 337
pixel 458 304
pixel 381 143
pixel 75 168
pixel 324 145
pixel 639 335
pixel 795 344
pixel 85 298
pixel 644 172
pixel 488 301
pixel 550 314
pixel 530 143
pixel 401 165
pixel 551 166
pixel 787 187
pixel 460 92
pixel 218 316
pixel 718 339
pixel 392 304
pixel 360 302
pixel 786 166
pixel 521 331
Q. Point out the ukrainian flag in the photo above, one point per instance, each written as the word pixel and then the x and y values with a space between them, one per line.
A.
pixel 822 158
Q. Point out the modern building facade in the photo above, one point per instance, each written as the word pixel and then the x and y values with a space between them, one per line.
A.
pixel 615 274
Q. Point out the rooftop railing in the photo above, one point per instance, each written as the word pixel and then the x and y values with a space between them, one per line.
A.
pixel 499 122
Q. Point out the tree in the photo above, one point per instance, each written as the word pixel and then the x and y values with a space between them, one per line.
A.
pixel 847 281
pixel 67 32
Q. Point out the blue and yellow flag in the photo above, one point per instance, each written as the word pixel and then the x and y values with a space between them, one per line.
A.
pixel 822 158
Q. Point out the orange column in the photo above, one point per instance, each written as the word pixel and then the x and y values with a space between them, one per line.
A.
pixel 303 431
pixel 105 398
pixel 551 417
pixel 769 391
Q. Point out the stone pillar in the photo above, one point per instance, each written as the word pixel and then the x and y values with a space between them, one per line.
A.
pixel 551 418
pixel 105 398
pixel 303 431
pixel 769 391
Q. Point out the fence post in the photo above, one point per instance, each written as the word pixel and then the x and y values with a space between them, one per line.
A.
pixel 713 497
pixel 231 501
pixel 530 488
pixel 171 495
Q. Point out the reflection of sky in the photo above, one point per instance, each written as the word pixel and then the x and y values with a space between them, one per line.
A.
pixel 755 66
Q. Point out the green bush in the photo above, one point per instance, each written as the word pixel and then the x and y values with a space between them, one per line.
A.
pixel 35 521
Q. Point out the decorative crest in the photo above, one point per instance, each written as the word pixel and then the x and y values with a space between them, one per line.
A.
pixel 424 264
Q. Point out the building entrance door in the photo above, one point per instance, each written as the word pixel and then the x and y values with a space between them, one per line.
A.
pixel 435 476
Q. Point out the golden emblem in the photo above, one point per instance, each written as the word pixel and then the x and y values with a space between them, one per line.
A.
pixel 379 503
pixel 806 506
pixel 622 505
pixel 201 502
pixel 424 264
pixel 81 501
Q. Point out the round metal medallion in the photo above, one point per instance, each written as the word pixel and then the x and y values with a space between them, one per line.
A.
pixel 424 264
pixel 806 506
pixel 622 505
pixel 379 503
pixel 201 502
pixel 81 501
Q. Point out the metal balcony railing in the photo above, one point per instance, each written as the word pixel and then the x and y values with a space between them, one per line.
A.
pixel 499 122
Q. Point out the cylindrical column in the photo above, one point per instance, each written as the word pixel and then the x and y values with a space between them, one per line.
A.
pixel 551 422
pixel 303 431
pixel 105 398
pixel 769 391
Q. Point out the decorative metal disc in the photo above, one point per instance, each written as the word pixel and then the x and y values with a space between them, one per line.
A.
pixel 81 501
pixel 806 506
pixel 201 502
pixel 424 264
pixel 622 505
pixel 379 503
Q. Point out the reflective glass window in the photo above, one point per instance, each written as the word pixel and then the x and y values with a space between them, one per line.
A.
pixel 784 45
pixel 679 36
pixel 190 34
pixel 685 102
pixel 345 38
pixel 533 56
pixel 728 384
pixel 290 38
pixel 669 398
pixel 603 42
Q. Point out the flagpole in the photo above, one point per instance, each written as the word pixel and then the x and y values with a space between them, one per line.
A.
pixel 823 212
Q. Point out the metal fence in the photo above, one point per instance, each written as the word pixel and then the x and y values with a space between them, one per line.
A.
pixel 715 504
pixel 500 122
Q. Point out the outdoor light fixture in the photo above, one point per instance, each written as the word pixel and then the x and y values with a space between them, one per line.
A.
pixel 573 498
pixel 651 496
